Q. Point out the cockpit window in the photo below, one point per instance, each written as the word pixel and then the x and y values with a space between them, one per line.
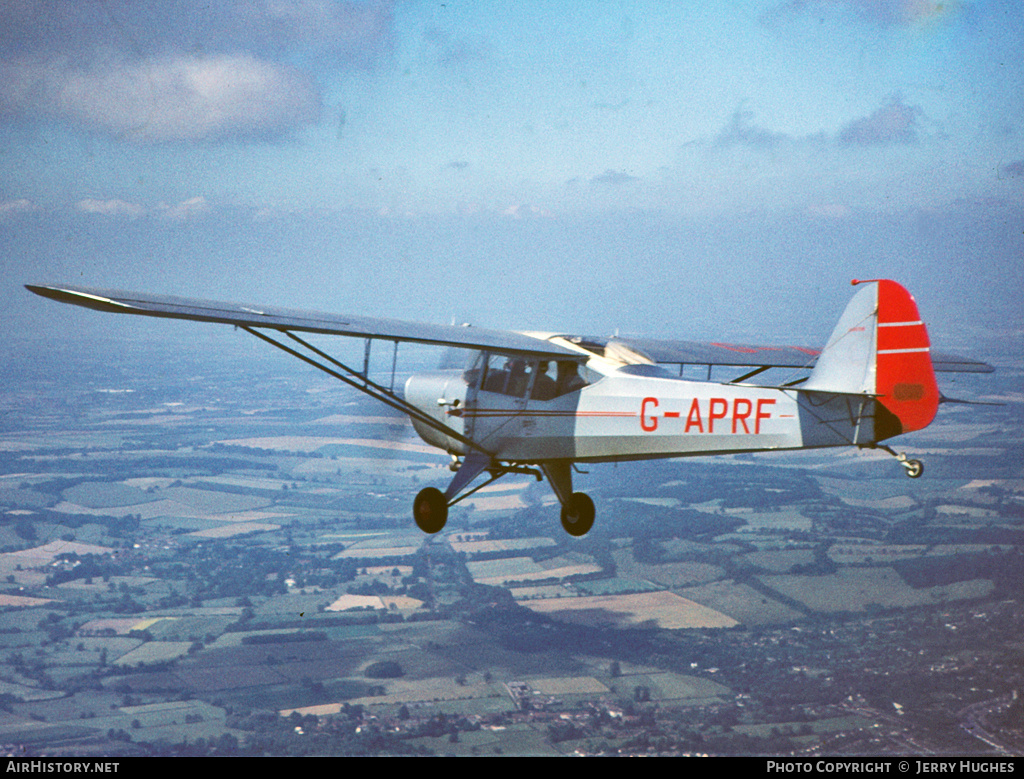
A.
pixel 568 378
pixel 514 376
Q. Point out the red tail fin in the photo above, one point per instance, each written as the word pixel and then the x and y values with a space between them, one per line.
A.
pixel 904 379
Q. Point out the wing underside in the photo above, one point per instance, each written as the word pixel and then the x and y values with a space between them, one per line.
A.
pixel 290 320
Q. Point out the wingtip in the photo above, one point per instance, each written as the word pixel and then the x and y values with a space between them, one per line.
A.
pixel 51 291
pixel 78 297
pixel 41 289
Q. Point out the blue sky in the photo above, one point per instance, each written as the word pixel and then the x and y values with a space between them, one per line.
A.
pixel 673 168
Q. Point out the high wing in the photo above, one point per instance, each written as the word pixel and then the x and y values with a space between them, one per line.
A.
pixel 291 320
pixel 753 356
pixel 269 324
pixel 506 342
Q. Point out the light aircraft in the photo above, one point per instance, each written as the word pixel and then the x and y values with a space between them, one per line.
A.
pixel 541 403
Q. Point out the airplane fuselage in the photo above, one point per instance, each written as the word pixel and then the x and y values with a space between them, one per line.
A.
pixel 618 417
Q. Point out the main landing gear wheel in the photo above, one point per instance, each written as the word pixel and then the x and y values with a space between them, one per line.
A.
pixel 578 514
pixel 914 468
pixel 430 510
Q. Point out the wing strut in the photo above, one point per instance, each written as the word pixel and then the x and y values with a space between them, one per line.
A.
pixel 363 384
pixel 750 374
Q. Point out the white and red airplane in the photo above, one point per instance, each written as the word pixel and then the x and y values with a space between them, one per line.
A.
pixel 540 403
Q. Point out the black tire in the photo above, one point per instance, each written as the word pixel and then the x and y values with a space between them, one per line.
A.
pixel 430 510
pixel 914 468
pixel 578 514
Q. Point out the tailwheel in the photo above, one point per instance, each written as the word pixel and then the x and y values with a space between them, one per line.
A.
pixel 430 510
pixel 914 468
pixel 578 514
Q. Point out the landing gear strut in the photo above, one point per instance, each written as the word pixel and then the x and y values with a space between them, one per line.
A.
pixel 430 509
pixel 914 468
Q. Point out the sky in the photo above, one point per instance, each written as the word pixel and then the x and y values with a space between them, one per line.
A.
pixel 673 169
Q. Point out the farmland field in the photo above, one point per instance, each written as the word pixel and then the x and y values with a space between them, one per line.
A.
pixel 663 609
pixel 856 589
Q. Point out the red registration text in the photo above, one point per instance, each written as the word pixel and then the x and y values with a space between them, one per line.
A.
pixel 711 415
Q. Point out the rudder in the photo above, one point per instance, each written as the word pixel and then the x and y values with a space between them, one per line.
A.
pixel 905 379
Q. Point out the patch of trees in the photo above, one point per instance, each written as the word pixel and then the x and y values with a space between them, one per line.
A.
pixel 217 570
pixel 384 669
pixel 479 598
pixel 25 530
pixel 88 566
pixel 916 533
pixel 823 565
pixel 661 525
pixel 116 526
pixel 564 731
pixel 1004 569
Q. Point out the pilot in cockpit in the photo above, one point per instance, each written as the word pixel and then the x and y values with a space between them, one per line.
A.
pixel 569 379
pixel 518 378
pixel 544 387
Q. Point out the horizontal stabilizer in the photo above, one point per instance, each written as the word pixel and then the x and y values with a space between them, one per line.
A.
pixel 944 399
pixel 951 363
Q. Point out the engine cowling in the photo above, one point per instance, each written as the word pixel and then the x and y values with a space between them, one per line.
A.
pixel 442 396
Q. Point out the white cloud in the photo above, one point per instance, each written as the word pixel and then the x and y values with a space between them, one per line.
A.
pixel 19 206
pixel 168 98
pixel 112 207
pixel 179 212
pixel 186 209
